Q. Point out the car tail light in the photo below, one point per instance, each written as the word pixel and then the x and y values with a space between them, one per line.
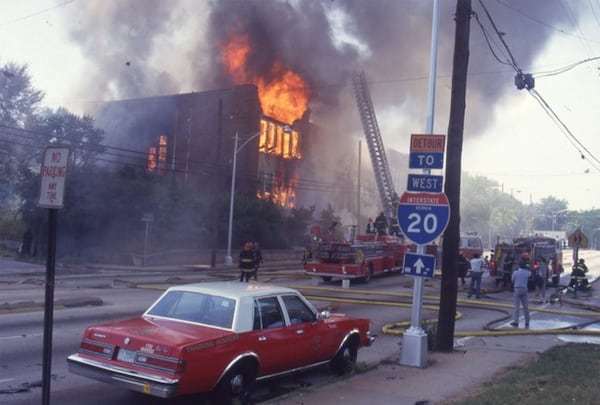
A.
pixel 97 348
pixel 160 362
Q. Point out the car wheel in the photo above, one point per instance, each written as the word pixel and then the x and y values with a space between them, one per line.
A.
pixel 326 278
pixel 235 387
pixel 345 359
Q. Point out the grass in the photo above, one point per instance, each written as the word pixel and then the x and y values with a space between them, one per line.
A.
pixel 567 374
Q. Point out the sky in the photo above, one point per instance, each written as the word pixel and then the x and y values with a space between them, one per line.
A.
pixel 509 137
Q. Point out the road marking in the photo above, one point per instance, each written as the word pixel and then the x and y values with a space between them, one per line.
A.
pixel 20 336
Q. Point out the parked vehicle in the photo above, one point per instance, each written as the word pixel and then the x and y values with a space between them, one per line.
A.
pixel 218 337
pixel 531 248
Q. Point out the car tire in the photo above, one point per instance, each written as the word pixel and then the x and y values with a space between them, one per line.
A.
pixel 326 278
pixel 235 387
pixel 345 359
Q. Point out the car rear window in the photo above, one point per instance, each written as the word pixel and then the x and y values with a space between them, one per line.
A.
pixel 190 306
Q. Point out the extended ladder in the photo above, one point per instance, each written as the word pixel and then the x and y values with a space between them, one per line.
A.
pixel 375 144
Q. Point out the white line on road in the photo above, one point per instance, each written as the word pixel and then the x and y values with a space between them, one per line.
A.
pixel 21 336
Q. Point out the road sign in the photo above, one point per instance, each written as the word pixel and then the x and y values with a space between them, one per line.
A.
pixel 418 264
pixel 423 216
pixel 423 182
pixel 578 239
pixel 53 177
pixel 427 151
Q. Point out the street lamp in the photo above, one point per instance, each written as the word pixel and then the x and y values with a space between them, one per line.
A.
pixel 228 257
pixel 555 217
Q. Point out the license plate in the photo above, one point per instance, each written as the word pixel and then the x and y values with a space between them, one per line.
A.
pixel 127 356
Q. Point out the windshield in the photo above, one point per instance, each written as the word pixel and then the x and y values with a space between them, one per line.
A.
pixel 190 306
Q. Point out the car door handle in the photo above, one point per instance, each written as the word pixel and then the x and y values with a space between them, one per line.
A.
pixel 262 338
pixel 300 332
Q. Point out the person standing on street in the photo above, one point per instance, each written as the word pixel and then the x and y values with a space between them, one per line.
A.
pixel 541 278
pixel 520 277
pixel 463 267
pixel 246 263
pixel 476 275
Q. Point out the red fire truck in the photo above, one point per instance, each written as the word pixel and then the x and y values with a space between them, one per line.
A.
pixel 531 248
pixel 361 259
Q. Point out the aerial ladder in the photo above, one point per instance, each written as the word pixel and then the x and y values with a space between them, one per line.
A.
pixel 379 160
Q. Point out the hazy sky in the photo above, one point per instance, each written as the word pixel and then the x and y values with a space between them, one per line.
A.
pixel 519 145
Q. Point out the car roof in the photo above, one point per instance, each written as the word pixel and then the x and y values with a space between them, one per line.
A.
pixel 233 289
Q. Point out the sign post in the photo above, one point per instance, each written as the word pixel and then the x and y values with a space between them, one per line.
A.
pixel 52 191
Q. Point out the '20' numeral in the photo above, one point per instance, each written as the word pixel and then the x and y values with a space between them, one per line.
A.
pixel 430 223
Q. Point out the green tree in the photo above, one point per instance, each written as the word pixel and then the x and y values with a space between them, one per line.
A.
pixel 18 101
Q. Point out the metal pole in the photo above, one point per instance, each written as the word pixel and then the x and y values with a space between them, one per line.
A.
pixel 358 190
pixel 146 243
pixel 49 307
pixel 228 258
pixel 414 342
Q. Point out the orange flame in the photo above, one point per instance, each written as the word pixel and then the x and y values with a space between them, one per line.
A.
pixel 282 92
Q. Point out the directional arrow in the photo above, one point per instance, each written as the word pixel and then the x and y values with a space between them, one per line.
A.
pixel 419 265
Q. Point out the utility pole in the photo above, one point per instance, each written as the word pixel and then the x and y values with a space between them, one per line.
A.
pixel 444 340
pixel 216 184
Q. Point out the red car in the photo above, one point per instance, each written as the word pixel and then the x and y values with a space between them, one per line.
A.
pixel 218 337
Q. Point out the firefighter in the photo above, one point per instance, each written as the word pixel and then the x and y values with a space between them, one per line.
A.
pixel 579 281
pixel 370 226
pixel 381 224
pixel 395 228
pixel 247 261
pixel 463 267
pixel 507 270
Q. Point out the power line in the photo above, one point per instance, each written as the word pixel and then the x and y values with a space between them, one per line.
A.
pixel 526 81
pixel 8 22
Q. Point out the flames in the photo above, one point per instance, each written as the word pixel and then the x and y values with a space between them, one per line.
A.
pixel 283 96
pixel 157 157
pixel 282 92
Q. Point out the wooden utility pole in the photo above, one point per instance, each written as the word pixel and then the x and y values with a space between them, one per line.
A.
pixel 444 340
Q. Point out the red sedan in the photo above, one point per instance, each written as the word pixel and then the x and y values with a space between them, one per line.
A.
pixel 218 337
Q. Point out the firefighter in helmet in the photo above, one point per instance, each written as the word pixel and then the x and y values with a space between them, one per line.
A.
pixel 579 281
pixel 247 262
pixel 381 224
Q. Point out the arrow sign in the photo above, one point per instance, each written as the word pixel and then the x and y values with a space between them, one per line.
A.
pixel 418 264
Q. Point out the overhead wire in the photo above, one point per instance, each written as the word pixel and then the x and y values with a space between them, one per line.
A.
pixel 546 107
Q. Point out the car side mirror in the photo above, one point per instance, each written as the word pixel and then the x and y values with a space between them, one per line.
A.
pixel 324 315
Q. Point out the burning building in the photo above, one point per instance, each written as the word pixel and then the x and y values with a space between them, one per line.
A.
pixel 191 136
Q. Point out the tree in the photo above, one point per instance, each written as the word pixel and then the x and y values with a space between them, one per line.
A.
pixel 18 101
pixel 18 98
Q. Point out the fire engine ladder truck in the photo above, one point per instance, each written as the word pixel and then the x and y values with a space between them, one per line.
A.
pixel 375 144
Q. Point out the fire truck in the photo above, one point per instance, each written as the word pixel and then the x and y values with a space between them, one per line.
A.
pixel 531 248
pixel 366 256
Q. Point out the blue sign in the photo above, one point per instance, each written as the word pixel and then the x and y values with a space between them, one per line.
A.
pixel 426 160
pixel 423 182
pixel 418 265
pixel 423 217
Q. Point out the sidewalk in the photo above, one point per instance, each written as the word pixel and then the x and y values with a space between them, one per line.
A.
pixel 447 376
